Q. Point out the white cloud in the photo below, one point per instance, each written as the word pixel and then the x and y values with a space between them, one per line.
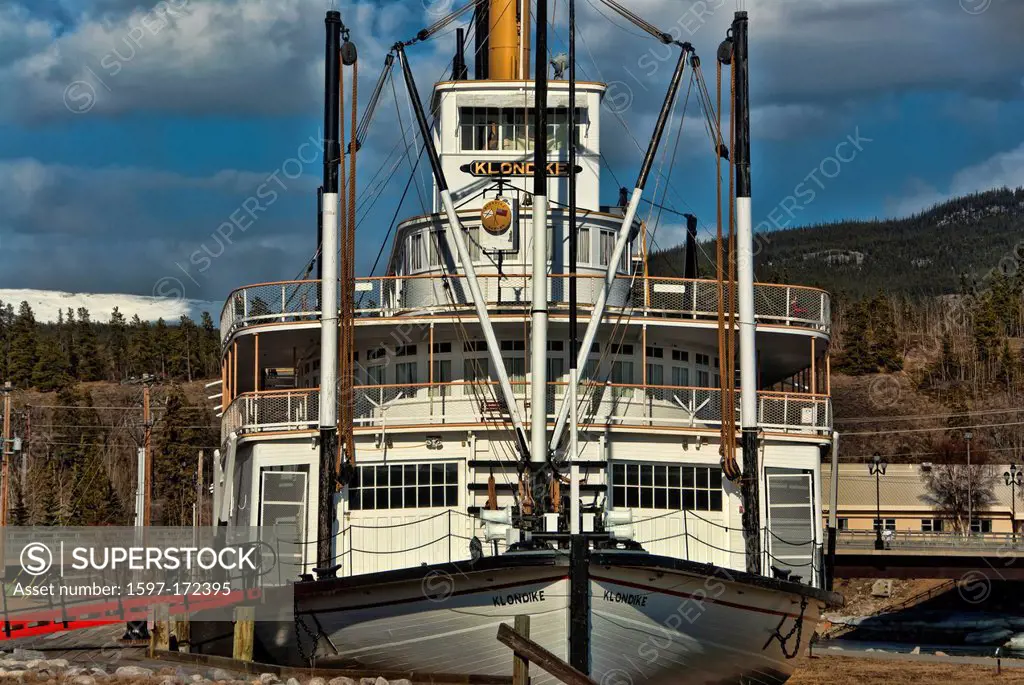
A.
pixel 1005 169
pixel 47 304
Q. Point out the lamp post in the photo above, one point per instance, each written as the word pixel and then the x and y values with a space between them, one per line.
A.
pixel 1014 478
pixel 970 495
pixel 877 469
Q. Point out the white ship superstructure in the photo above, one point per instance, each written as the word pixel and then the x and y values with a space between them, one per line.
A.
pixel 433 435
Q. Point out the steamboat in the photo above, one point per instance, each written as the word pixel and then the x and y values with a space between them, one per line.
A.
pixel 517 418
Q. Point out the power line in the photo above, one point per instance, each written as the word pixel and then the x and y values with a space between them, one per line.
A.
pixel 922 417
pixel 936 429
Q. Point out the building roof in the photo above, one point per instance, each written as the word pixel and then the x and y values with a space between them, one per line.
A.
pixel 902 487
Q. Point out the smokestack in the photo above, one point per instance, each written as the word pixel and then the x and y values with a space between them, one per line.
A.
pixel 690 270
pixel 482 23
pixel 509 41
pixel 459 71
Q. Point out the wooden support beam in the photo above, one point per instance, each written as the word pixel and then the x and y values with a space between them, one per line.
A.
pixel 183 633
pixel 245 629
pixel 520 664
pixel 530 650
pixel 160 636
pixel 814 371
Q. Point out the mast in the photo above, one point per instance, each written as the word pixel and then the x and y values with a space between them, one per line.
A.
pixel 745 288
pixel 574 469
pixel 329 299
pixel 539 305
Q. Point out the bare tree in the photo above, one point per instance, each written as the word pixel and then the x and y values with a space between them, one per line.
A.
pixel 956 489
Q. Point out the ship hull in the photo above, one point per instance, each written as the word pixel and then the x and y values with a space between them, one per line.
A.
pixel 651 619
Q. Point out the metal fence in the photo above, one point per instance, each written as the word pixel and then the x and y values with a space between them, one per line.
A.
pixel 466 402
pixel 436 294
pixel 917 541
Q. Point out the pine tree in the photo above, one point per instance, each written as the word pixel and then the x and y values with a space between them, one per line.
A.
pixel 857 358
pixel 23 347
pixel 140 348
pixel 89 365
pixel 117 346
pixel 1007 365
pixel 884 346
pixel 161 347
pixel 986 330
pixel 50 501
pixel 52 370
pixel 209 346
pixel 5 338
pixel 176 446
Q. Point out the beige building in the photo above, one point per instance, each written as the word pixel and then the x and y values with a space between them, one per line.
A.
pixel 904 502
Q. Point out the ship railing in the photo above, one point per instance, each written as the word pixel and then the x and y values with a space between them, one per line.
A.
pixel 275 302
pixel 600 404
pixel 273 411
pixel 442 294
pixel 459 402
pixel 367 546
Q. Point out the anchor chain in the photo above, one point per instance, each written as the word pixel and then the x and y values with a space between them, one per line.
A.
pixel 314 636
pixel 797 629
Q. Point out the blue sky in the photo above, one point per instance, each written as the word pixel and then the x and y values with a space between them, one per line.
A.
pixel 131 130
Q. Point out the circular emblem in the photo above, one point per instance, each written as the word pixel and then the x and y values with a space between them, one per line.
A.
pixel 496 216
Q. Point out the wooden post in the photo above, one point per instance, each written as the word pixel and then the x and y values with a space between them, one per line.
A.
pixel 256 363
pixel 234 369
pixel 245 625
pixel 828 373
pixel 183 633
pixel 814 371
pixel 160 638
pixel 526 650
pixel 520 664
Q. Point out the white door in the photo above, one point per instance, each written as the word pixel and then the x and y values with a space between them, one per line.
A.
pixel 790 536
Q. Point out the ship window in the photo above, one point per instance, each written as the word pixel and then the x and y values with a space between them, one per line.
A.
pixel 475 370
pixel 442 348
pixel 434 248
pixel 556 345
pixel 843 524
pixel 887 524
pixel 442 377
pixel 583 246
pixel 703 360
pixel 513 345
pixel 680 376
pixel 931 525
pixel 404 486
pixel 405 351
pixel 416 251
pixel 655 352
pixel 680 356
pixel 981 525
pixel 376 353
pixel 511 129
pixel 626 350
pixel 667 486
pixel 405 374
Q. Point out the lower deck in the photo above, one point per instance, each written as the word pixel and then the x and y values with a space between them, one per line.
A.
pixel 416 496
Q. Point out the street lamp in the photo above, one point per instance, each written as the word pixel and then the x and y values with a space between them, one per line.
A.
pixel 877 469
pixel 1015 479
pixel 970 495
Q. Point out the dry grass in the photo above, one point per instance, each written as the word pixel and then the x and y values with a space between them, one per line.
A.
pixel 835 670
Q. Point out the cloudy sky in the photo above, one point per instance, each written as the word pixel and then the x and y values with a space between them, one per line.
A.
pixel 131 130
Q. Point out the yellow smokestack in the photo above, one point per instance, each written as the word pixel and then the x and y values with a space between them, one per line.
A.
pixel 509 40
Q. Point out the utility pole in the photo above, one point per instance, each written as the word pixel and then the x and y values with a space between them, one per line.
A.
pixel 968 435
pixel 6 454
pixel 147 425
pixel 199 492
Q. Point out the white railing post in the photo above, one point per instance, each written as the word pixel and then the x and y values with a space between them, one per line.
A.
pixel 284 301
pixel 245 304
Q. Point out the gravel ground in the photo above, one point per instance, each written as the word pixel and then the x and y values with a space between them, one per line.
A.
pixel 838 670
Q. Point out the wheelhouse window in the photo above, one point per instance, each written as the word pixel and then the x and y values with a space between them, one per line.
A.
pixel 931 525
pixel 404 486
pixel 511 128
pixel 981 525
pixel 667 486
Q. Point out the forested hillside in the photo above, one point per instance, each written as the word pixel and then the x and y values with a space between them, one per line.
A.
pixel 922 255
pixel 51 356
